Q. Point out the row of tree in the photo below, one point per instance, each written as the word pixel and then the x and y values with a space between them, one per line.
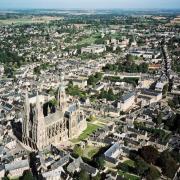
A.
pixel 129 67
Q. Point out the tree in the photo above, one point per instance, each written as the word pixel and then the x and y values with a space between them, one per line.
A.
pixel 171 103
pixel 177 123
pixel 152 173
pixel 159 119
pixel 141 166
pixel 149 154
pixel 83 175
pixel 168 164
pixel 108 95
pixel 93 79
pixel 129 57
pixel 99 41
pixel 165 90
pixel 77 150
pixel 100 162
pixel 27 176
pixel 175 154
pixel 54 102
pixel 97 177
pixel 75 91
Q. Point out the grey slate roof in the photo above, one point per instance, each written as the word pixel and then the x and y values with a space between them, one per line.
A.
pixel 127 96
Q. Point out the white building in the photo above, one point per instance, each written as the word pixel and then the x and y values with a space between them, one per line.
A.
pixel 1 70
pixel 96 49
pixel 54 174
pixel 113 153
pixel 148 96
pixel 16 169
pixel 126 101
pixel 160 86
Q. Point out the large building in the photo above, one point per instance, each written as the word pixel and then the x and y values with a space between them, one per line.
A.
pixel 95 49
pixel 126 101
pixel 46 124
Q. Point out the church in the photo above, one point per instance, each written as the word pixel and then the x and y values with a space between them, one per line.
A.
pixel 58 124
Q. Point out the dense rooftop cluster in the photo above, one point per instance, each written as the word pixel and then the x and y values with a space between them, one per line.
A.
pixel 120 74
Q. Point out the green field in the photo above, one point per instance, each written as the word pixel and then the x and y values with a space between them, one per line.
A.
pixel 130 163
pixel 89 40
pixel 89 130
pixel 90 151
pixel 28 20
pixel 18 21
pixel 128 176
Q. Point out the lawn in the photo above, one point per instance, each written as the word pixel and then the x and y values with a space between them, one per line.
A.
pixel 116 36
pixel 90 151
pixel 89 40
pixel 129 163
pixel 128 176
pixel 89 130
pixel 16 21
pixel 27 20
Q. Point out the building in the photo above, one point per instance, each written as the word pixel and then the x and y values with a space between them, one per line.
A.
pixel 95 49
pixel 160 86
pixel 113 153
pixel 17 168
pixel 51 124
pixel 148 96
pixel 126 101
pixel 154 66
pixel 1 70
pixel 77 165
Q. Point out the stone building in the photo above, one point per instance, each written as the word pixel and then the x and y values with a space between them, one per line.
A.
pixel 59 123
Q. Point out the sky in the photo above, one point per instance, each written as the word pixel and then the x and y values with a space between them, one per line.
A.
pixel 90 4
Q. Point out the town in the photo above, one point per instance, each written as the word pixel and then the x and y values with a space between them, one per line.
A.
pixel 89 95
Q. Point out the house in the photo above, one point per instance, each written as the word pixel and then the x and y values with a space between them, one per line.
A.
pixel 148 96
pixel 95 49
pixel 78 165
pixel 54 174
pixel 160 85
pixel 154 66
pixel 113 153
pixel 9 142
pixel 1 70
pixel 81 82
pixel 126 101
pixel 16 168
pixel 2 171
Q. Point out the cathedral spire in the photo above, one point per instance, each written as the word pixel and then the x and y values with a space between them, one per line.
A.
pixel 61 94
pixel 25 123
pixel 27 109
pixel 39 110
pixel 39 125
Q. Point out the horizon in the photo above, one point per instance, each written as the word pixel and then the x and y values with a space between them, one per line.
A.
pixel 89 4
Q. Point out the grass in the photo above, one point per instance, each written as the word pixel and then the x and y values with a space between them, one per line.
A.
pixel 16 21
pixel 128 176
pixel 116 36
pixel 26 20
pixel 89 40
pixel 129 163
pixel 90 151
pixel 89 130
pixel 93 151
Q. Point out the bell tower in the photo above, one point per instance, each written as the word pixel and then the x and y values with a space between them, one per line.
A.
pixel 62 103
pixel 25 123
pixel 39 126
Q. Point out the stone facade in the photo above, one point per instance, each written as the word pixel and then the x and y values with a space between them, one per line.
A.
pixel 58 125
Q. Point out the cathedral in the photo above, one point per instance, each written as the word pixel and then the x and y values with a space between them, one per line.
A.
pixel 56 125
